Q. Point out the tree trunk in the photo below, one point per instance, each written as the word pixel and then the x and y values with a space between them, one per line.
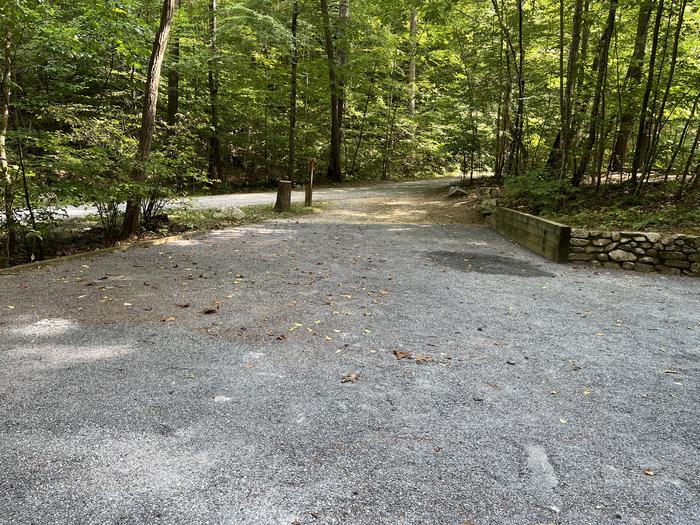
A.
pixel 148 119
pixel 643 133
pixel 334 170
pixel 601 68
pixel 659 120
pixel 6 175
pixel 689 162
pixel 571 82
pixel 213 78
pixel 343 53
pixel 412 63
pixel 520 153
pixel 174 82
pixel 681 141
pixel 293 94
pixel 632 79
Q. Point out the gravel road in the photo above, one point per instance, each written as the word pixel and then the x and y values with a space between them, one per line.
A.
pixel 369 190
pixel 201 382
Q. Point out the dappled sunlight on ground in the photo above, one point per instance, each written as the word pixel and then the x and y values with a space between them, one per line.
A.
pixel 46 328
pixel 427 207
pixel 65 355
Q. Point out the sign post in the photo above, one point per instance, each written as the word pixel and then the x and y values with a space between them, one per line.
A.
pixel 310 186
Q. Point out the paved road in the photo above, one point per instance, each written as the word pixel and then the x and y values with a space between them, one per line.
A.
pixel 551 394
pixel 372 189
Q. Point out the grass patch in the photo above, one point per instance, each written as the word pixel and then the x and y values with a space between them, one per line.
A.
pixel 189 219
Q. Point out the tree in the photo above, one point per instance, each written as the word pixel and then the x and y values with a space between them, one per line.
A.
pixel 294 58
pixel 335 172
pixel 148 118
pixel 6 174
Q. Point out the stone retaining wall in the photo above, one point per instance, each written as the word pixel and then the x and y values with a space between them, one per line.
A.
pixel 643 252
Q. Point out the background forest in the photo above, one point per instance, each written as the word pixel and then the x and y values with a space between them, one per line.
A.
pixel 547 97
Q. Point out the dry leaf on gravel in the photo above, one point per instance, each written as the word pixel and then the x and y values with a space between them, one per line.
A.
pixel 422 358
pixel 402 355
pixel 169 319
pixel 350 378
pixel 649 472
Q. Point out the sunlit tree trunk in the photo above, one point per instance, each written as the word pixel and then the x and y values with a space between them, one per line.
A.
pixel 5 174
pixel 148 118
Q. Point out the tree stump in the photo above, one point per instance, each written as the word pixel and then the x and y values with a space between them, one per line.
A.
pixel 284 196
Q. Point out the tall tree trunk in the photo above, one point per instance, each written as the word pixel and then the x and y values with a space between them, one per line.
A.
pixel 520 153
pixel 644 128
pixel 334 169
pixel 659 120
pixel 293 93
pixel 362 123
pixel 412 63
pixel 174 80
pixel 572 69
pixel 689 162
pixel 681 141
pixel 214 143
pixel 601 69
pixel 6 175
pixel 632 79
pixel 343 56
pixel 148 118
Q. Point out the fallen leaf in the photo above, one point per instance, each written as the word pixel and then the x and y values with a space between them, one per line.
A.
pixel 168 319
pixel 183 305
pixel 563 421
pixel 350 378
pixel 210 310
pixel 422 358
pixel 402 355
pixel 600 334
pixel 587 391
pixel 248 365
pixel 281 337
pixel 649 472
pixel 128 304
pixel 11 306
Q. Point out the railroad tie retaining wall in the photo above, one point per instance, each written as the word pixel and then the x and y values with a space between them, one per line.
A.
pixel 547 238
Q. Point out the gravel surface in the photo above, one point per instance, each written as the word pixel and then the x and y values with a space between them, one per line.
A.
pixel 529 393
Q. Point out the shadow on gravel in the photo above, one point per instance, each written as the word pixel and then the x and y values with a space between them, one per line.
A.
pixel 489 264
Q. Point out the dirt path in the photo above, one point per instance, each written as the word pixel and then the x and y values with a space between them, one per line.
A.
pixel 422 205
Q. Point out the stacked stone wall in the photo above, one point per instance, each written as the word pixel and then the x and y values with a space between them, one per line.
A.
pixel 643 252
